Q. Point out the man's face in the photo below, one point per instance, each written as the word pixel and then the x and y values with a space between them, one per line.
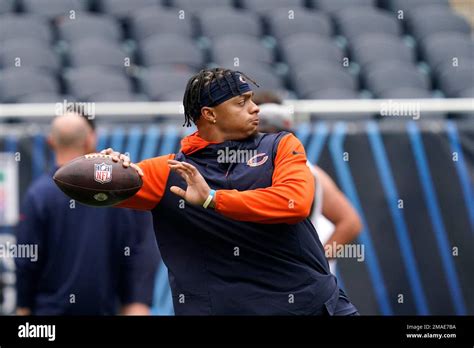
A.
pixel 237 117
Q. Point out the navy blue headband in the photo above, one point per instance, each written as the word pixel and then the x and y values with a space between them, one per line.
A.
pixel 223 90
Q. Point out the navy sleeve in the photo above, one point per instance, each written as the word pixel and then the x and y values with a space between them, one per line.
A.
pixel 30 231
pixel 139 268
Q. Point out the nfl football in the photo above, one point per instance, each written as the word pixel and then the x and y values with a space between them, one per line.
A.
pixel 96 180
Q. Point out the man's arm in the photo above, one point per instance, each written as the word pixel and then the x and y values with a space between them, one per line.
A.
pixel 139 265
pixel 155 174
pixel 29 232
pixel 288 200
pixel 337 209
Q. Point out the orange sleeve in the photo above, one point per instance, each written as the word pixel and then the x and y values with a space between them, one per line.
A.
pixel 156 172
pixel 288 200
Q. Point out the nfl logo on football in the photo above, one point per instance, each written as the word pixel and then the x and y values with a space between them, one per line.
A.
pixel 103 173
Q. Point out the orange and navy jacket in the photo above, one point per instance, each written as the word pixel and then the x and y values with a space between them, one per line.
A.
pixel 256 252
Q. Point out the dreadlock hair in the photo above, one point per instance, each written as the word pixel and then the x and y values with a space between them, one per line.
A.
pixel 203 79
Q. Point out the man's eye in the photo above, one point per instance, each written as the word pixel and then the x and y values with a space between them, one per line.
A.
pixel 242 102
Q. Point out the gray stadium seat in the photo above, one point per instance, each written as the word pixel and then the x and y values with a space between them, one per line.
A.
pixel 16 83
pixel 84 83
pixel 374 48
pixel 149 21
pixel 304 48
pixel 45 98
pixel 408 5
pixel 226 49
pixel 318 77
pixel 116 97
pixel 333 6
pixel 442 48
pixel 97 52
pixel 15 26
pixel 334 93
pixel 54 8
pixel 158 81
pixel 453 81
pixel 262 6
pixel 390 75
pixel 263 74
pixel 406 93
pixel 429 20
pixel 197 5
pixel 21 53
pixel 85 26
pixel 301 20
pixel 355 22
pixel 123 8
pixel 7 6
pixel 410 93
pixel 222 21
pixel 173 95
pixel 171 49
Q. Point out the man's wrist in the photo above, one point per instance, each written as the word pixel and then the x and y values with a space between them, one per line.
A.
pixel 212 205
pixel 208 203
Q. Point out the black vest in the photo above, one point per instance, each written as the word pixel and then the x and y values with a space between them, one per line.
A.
pixel 218 265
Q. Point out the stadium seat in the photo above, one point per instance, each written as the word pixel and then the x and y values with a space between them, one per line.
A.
pixel 6 6
pixel 227 49
pixel 171 49
pixel 443 48
pixel 21 53
pixel 263 74
pixel 15 26
pixel 149 21
pixel 334 93
pixel 89 25
pixel 197 5
pixel 429 20
pixel 54 8
pixel 158 81
pixel 332 6
pixel 374 48
pixel 123 8
pixel 355 22
pixel 84 83
pixel 262 6
pixel 319 76
pixel 455 80
pixel 16 83
pixel 45 98
pixel 406 93
pixel 283 23
pixel 222 21
pixel 389 75
pixel 408 5
pixel 105 53
pixel 410 93
pixel 116 97
pixel 304 48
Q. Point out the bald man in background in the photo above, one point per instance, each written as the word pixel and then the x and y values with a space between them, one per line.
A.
pixel 90 261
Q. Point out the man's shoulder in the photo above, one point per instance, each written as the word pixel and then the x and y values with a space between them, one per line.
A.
pixel 42 184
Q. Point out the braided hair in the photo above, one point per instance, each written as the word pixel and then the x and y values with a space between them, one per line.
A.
pixel 203 79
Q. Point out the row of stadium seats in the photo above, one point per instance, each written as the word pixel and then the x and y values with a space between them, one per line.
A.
pixel 211 23
pixel 122 8
pixel 330 50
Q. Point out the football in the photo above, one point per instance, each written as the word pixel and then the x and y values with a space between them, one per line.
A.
pixel 96 180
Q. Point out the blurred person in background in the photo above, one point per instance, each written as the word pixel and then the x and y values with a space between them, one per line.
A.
pixel 90 261
pixel 333 216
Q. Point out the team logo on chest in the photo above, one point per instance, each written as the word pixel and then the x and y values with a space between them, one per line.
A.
pixel 257 160
pixel 103 173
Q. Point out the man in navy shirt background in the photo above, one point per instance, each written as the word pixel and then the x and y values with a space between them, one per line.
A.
pixel 90 261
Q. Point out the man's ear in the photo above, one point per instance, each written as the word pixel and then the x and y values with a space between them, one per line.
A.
pixel 50 142
pixel 208 114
